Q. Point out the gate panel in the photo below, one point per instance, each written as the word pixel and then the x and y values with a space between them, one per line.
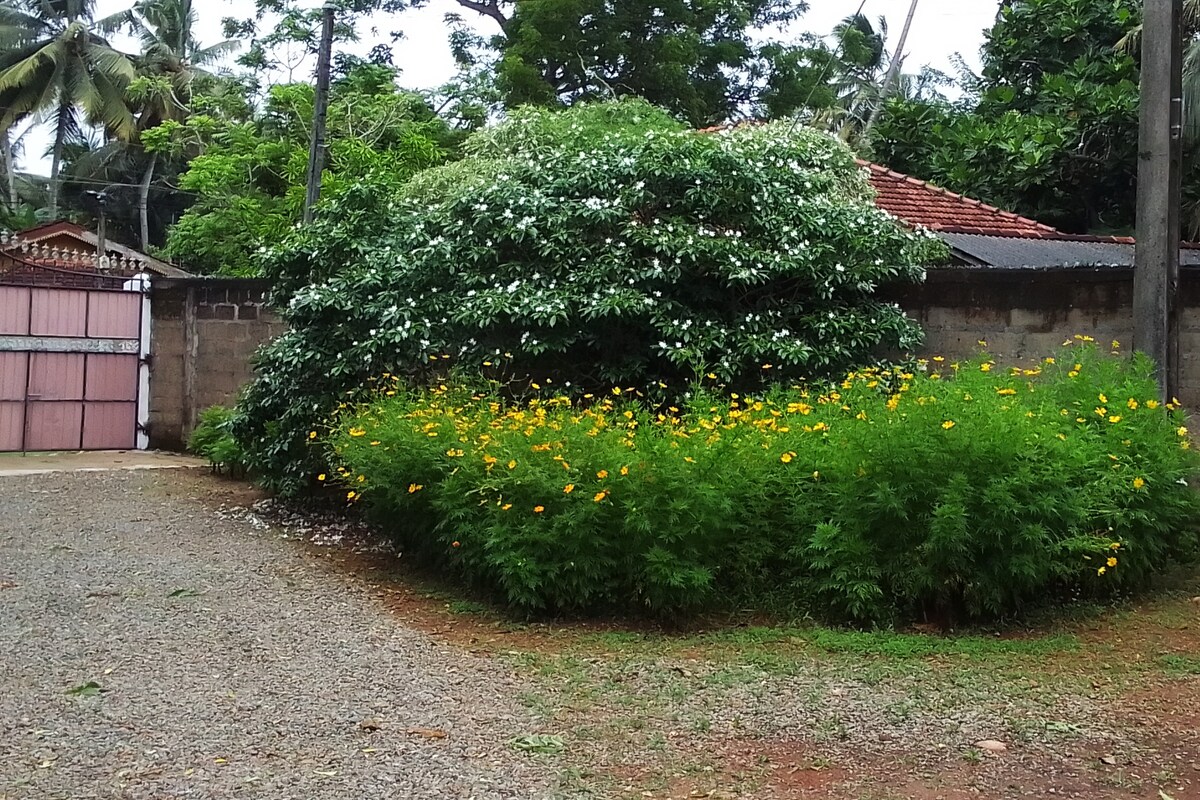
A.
pixel 54 425
pixel 12 425
pixel 111 377
pixel 110 426
pixel 14 311
pixel 56 376
pixel 12 375
pixel 58 312
pixel 114 315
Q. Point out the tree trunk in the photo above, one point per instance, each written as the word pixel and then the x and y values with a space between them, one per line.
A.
pixel 9 175
pixel 893 73
pixel 60 142
pixel 144 201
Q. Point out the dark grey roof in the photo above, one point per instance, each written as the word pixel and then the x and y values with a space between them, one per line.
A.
pixel 1011 251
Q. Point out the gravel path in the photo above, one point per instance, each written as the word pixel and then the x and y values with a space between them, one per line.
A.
pixel 254 680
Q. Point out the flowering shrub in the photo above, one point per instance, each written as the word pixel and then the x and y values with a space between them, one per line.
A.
pixel 954 491
pixel 604 244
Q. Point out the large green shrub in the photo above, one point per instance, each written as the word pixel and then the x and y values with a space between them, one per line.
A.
pixel 605 244
pixel 960 491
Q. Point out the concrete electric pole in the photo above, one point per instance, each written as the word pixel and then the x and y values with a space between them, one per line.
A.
pixel 1160 153
pixel 316 153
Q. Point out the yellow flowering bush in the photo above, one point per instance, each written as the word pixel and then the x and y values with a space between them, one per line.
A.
pixel 956 490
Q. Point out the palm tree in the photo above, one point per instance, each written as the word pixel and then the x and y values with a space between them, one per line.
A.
pixel 172 58
pixel 54 59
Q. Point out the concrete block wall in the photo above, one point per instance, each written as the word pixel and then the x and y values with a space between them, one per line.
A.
pixel 203 338
pixel 1027 314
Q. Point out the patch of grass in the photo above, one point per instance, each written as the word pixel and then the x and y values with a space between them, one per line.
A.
pixel 910 645
pixel 467 608
pixel 1177 665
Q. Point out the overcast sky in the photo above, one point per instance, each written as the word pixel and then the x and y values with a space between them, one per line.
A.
pixel 941 29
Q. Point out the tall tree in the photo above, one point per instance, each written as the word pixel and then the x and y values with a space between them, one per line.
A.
pixel 1052 132
pixel 172 58
pixel 55 59
pixel 694 58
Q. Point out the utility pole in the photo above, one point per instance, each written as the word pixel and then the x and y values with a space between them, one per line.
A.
pixel 101 199
pixel 1160 154
pixel 316 153
pixel 893 73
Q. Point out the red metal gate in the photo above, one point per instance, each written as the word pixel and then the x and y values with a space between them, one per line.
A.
pixel 69 368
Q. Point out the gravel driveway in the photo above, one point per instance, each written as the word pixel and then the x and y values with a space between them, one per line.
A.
pixel 210 659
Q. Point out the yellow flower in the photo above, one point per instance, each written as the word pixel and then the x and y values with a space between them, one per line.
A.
pixel 786 458
pixel 362 478
pixel 939 359
pixel 506 507
pixel 570 487
pixel 985 367
pixel 1112 562
pixel 1132 404
pixel 321 477
pixel 1073 373
pixel 1050 360
pixel 357 432
pixel 538 509
pixel 1103 398
pixel 1006 391
pixel 1102 570
pixel 1115 546
pixel 616 390
pixel 1138 483
pixel 816 475
pixel 375 443
pixel 948 424
pixel 1114 419
pixel 512 464
pixel 599 496
pixel 1182 431
pixel 1101 411
pixel 351 495
pixel 454 453
pixel 1152 404
pixel 312 434
pixel 602 474
pixel 1062 436
pixel 624 470
pixel 413 488
pixel 712 376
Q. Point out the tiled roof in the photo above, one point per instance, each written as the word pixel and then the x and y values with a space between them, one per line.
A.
pixel 919 203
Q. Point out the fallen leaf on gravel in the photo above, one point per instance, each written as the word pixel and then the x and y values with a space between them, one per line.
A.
pixel 1110 760
pixel 7 585
pixel 1164 796
pixel 184 593
pixel 539 743
pixel 992 746
pixel 328 773
pixel 89 689
pixel 369 725
pixel 428 733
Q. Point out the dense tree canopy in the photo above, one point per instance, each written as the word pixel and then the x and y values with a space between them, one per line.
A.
pixel 1049 129
pixel 247 173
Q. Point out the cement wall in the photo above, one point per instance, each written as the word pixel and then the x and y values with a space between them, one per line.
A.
pixel 1028 313
pixel 203 337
